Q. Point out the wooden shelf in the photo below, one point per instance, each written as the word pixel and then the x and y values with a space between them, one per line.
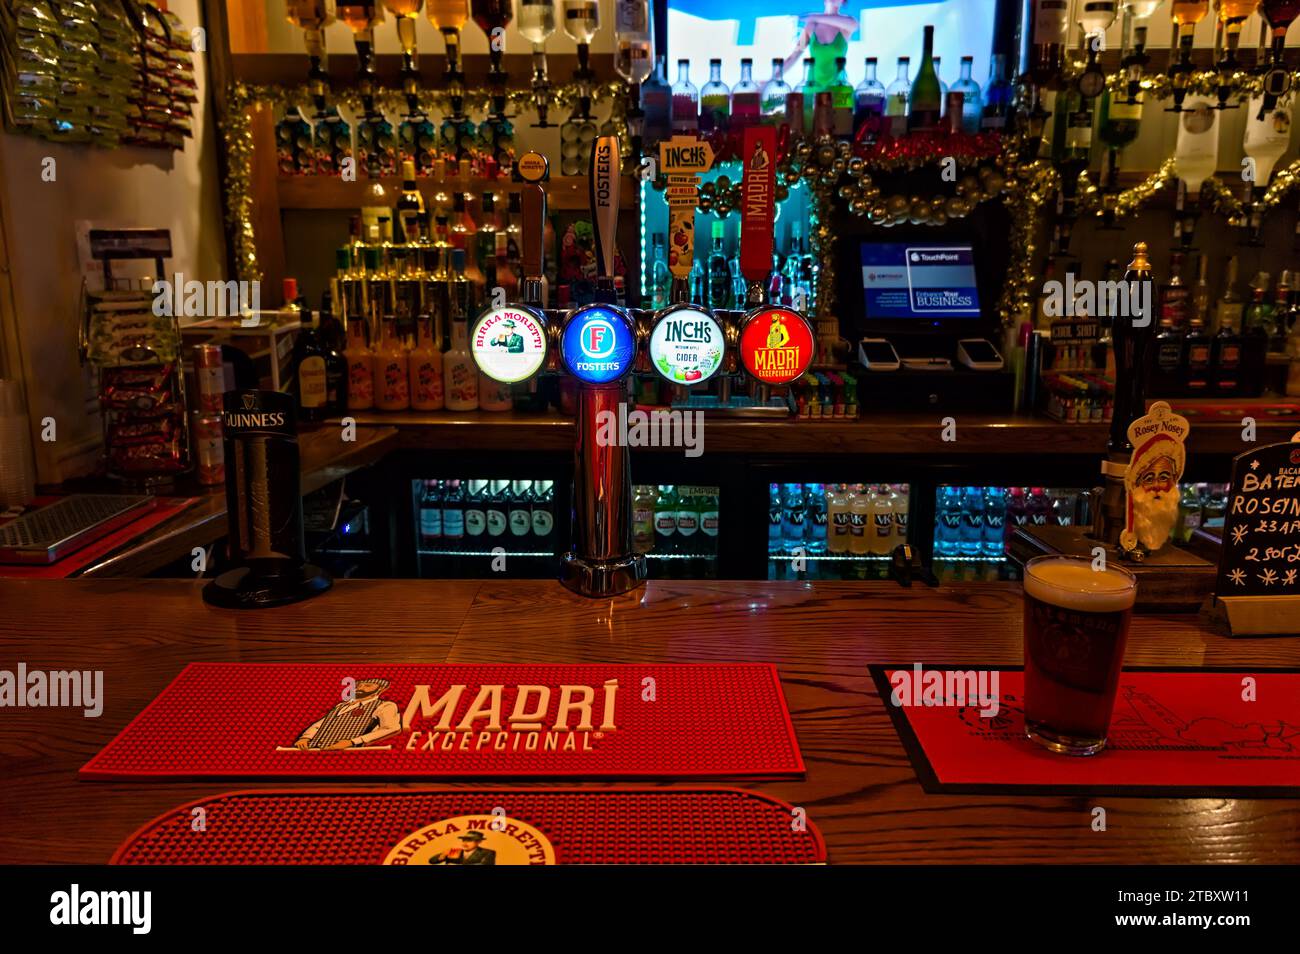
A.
pixel 290 69
pixel 564 193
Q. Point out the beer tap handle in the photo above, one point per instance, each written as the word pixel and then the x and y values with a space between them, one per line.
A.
pixel 604 210
pixel 532 204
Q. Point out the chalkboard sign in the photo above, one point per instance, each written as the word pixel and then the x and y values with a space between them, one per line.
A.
pixel 1261 530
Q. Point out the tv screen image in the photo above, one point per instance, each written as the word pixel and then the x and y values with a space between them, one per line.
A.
pixel 908 280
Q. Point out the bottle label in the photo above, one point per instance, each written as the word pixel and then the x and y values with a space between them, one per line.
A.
pixel 475 522
pixel 431 522
pixel 687 522
pixel 841 522
pixel 709 523
pixel 361 383
pixel 665 523
pixel 396 392
pixel 453 523
pixel 496 523
pixel 542 523
pixel 884 524
pixel 857 524
pixel 1051 21
pixel 520 522
pixel 311 382
pixel 427 379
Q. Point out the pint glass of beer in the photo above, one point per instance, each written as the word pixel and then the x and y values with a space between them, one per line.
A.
pixel 1076 625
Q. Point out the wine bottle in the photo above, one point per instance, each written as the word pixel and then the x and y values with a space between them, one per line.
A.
pixel 925 100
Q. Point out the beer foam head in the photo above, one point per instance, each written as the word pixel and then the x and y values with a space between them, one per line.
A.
pixel 1073 583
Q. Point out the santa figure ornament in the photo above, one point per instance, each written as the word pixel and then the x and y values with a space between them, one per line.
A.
pixel 1151 481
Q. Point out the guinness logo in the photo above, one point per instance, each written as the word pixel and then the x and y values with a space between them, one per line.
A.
pixel 474 840
pixel 250 401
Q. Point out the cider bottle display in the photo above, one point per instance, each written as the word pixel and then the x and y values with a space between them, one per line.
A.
pixel 393 391
pixel 460 374
pixel 425 363
pixel 361 368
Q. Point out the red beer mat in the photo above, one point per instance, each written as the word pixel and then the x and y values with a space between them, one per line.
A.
pixel 1181 732
pixel 533 826
pixel 227 720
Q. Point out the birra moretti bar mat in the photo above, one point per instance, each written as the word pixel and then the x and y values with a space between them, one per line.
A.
pixel 479 827
pixel 375 720
pixel 1184 733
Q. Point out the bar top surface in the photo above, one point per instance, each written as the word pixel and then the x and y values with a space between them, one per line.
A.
pixel 860 788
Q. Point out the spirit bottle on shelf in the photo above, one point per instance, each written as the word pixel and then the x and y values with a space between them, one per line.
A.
pixel 746 99
pixel 807 91
pixel 1196 151
pixel 715 100
pixel 536 25
pixel 720 287
pixel 660 278
pixel 360 360
pixel 1051 26
pixel 657 102
pixel 841 101
pixel 997 96
pixel 492 16
pixel 1278 15
pixel 972 105
pixel 925 100
pixel 1117 126
pixel 686 100
pixel 896 99
pixel 449 18
pixel 409 216
pixel 581 22
pixel 1185 15
pixel 1232 14
pixel 425 363
pixel 312 17
pixel 775 91
pixel 633 40
pixel 869 104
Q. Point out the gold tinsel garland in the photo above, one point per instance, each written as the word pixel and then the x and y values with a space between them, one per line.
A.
pixel 237 133
pixel 1037 184
pixel 1221 199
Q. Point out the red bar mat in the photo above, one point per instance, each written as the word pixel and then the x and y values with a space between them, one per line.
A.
pixel 230 720
pixel 1175 732
pixel 78 560
pixel 504 826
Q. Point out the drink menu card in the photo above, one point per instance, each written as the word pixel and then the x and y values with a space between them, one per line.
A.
pixel 1261 530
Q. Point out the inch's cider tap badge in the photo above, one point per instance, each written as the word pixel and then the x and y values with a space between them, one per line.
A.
pixel 1151 481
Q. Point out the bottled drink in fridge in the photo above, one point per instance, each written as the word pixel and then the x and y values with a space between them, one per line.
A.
pixel 901 503
pixel 707 505
pixel 688 520
pixel 1062 508
pixel 837 519
pixel 431 514
pixel 947 529
pixel 475 515
pixel 666 519
pixel 792 516
pixel 970 542
pixel 521 515
pixel 543 516
pixel 1017 510
pixel 498 513
pixel 453 515
pixel 1038 507
pixel 995 518
pixel 643 518
pixel 773 517
pixel 880 532
pixel 860 521
pixel 815 518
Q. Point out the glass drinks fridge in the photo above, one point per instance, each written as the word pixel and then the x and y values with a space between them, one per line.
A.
pixel 1076 626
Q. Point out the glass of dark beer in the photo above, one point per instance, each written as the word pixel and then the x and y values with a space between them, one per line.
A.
pixel 1076 625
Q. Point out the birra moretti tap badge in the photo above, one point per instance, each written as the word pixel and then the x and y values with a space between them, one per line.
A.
pixel 686 345
pixel 598 346
pixel 776 345
pixel 509 344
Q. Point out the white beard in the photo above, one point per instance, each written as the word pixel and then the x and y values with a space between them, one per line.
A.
pixel 1154 518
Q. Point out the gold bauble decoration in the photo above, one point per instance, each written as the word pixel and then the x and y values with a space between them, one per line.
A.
pixel 859 206
pixel 957 207
pixel 879 212
pixel 857 167
pixel 782 192
pixel 845 192
pixel 723 183
pixel 896 205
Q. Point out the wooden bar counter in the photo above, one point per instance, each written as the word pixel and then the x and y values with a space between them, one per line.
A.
pixel 860 788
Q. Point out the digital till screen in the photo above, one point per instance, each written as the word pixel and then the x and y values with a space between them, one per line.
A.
pixel 919 281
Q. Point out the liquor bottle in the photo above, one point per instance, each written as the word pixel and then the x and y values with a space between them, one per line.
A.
pixel 997 96
pixel 880 531
pixel 815 518
pixel 485 242
pixel 1189 514
pixel 837 519
pixel 1268 133
pixel 492 15
pixel 331 338
pixel 686 100
pixel 925 100
pixel 425 363
pixel 1279 15
pixel 715 100
pixel 309 373
pixel 896 99
pixel 1196 152
pixel 775 91
pixel 1051 26
pixel 633 40
pixel 459 373
pixel 1198 308
pixel 1072 138
pixel 719 272
pixel 993 539
pixel 823 114
pixel 943 87
pixel 841 101
pixel 643 518
pixel 1258 331
pixel 521 516
pixel 746 98
pixel 666 519
pixel 972 105
pixel 1164 375
pixel 869 104
pixel 773 518
pixel 1225 346
pixel 431 515
pixel 496 507
pixel 657 102
pixel 1232 14
pixel 361 367
pixel 408 213
pixel 793 513
pixel 581 20
pixel 660 277
pixel 1095 18
pixel 1195 359
pixel 1185 15
pixel 1174 297
pixel 947 524
pixel 971 539
pixel 536 20
pixel 453 515
pixel 1117 122
pixel 392 373
pixel 807 90
pixel 476 495
pixel 1228 309
pixel 860 521
pixel 543 516
pixel 449 18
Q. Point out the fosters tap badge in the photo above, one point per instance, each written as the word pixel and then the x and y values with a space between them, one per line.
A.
pixel 598 345
pixel 509 343
pixel 776 345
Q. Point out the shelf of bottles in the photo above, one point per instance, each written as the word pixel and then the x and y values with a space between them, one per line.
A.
pixel 464 525
pixel 676 527
pixel 834 531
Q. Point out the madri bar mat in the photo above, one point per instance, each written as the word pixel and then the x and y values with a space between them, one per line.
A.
pixel 376 720
pixel 478 827
pixel 1173 733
